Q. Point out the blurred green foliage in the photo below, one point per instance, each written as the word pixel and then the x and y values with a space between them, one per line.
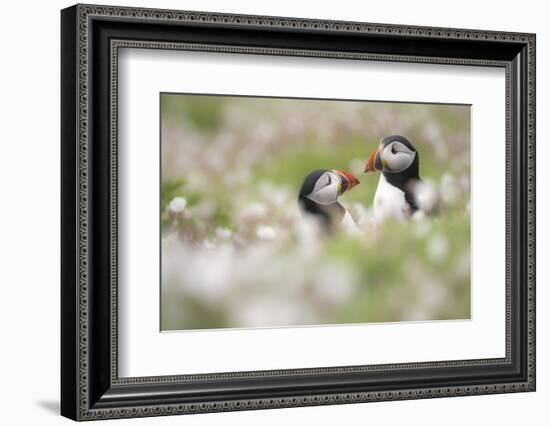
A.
pixel 388 274
pixel 205 113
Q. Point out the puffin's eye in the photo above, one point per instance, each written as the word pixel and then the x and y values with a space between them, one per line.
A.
pixel 329 180
pixel 393 151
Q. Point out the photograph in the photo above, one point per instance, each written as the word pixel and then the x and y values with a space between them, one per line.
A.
pixel 278 212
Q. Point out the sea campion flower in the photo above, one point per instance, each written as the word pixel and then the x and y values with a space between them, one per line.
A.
pixel 177 206
pixel 223 233
pixel 253 211
pixel 175 209
pixel 426 196
pixel 265 232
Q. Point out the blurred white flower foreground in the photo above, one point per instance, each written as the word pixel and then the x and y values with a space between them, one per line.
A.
pixel 288 273
pixel 262 283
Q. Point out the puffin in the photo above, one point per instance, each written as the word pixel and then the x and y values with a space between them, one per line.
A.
pixel 397 192
pixel 319 194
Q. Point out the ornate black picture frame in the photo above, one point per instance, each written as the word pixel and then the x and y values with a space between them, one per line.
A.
pixel 91 36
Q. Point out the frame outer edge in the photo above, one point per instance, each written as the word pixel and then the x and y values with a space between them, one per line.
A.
pixel 80 207
pixel 83 105
pixel 531 200
pixel 69 282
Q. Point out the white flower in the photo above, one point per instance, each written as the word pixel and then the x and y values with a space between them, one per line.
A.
pixel 418 216
pixel 223 233
pixel 177 205
pixel 426 196
pixel 265 232
pixel 253 211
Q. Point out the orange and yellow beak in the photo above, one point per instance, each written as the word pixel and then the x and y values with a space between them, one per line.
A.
pixel 374 163
pixel 347 181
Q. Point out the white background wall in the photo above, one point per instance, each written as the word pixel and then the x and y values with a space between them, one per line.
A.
pixel 29 223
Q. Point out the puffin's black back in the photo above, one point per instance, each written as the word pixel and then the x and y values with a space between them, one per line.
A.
pixel 328 214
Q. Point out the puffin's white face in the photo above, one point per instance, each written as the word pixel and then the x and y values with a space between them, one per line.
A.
pixel 326 189
pixel 396 157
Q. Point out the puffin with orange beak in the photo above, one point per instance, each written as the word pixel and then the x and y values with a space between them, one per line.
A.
pixel 397 159
pixel 319 197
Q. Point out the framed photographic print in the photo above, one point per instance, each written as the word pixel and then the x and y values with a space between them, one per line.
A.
pixel 263 212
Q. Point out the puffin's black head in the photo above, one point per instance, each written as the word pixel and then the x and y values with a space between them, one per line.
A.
pixel 395 154
pixel 320 191
pixel 324 186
